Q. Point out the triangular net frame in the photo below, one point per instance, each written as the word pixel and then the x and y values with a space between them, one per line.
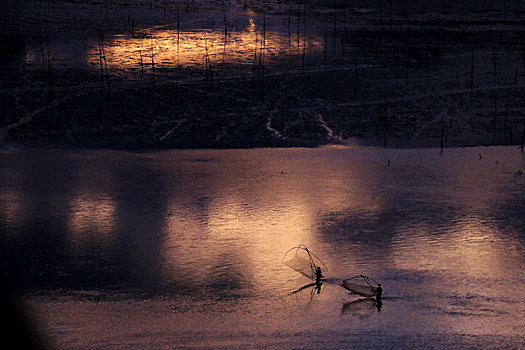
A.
pixel 361 285
pixel 302 260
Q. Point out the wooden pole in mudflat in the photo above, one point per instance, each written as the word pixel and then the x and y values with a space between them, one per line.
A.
pixel 522 138
pixel 442 138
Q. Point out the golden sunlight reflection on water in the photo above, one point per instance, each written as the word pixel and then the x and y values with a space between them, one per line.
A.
pixel 12 205
pixel 170 49
pixel 251 212
pixel 469 249
pixel 92 217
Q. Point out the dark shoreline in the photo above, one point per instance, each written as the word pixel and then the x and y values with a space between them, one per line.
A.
pixel 353 142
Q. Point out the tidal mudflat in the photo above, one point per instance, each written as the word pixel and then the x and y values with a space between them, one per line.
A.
pixel 214 74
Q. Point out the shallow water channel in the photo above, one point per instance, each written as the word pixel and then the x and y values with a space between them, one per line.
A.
pixel 183 248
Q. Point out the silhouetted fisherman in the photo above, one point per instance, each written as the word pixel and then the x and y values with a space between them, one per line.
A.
pixel 379 293
pixel 318 287
pixel 318 276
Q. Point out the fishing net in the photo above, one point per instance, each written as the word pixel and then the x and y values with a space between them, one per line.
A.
pixel 301 265
pixel 303 261
pixel 361 285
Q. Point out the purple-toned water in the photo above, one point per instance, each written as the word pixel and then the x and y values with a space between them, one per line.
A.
pixel 182 249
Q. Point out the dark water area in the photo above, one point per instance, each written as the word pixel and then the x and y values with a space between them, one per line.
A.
pixel 183 249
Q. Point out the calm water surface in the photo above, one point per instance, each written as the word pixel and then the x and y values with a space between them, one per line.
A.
pixel 183 249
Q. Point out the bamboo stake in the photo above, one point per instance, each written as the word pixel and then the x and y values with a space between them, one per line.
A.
pixel 522 138
pixel 103 61
pixel 100 54
pixel 178 30
pixel 356 75
pixel 262 50
pixel 141 63
pixel 505 120
pixel 495 62
pixel 304 49
pixel 206 55
pixel 381 13
pixel 406 78
pixel 472 71
pixel 289 28
pixel 324 54
pixel 50 79
pixel 255 53
pixel 208 62
pixel 495 118
pixel 442 138
pixel 225 23
pixel 43 55
pixel 107 75
pixel 152 62
pixel 298 25
pixel 303 85
pixel 335 27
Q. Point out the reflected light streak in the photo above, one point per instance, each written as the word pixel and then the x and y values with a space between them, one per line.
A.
pixel 92 217
pixel 257 219
pixel 181 252
pixel 469 247
pixel 188 50
pixel 12 206
pixel 256 236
